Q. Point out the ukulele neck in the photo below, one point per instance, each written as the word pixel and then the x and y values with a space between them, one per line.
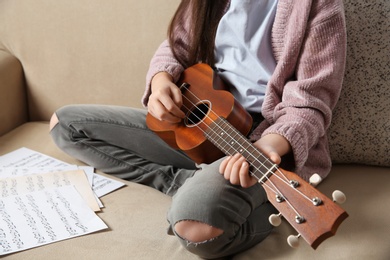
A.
pixel 230 141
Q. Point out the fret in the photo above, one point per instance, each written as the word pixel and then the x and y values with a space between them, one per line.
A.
pixel 224 136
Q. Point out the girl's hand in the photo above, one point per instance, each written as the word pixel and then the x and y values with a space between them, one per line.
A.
pixel 236 168
pixel 166 99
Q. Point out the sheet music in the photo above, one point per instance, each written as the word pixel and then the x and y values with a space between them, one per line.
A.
pixel 102 185
pixel 37 182
pixel 26 161
pixel 24 157
pixel 44 200
pixel 41 217
pixel 6 172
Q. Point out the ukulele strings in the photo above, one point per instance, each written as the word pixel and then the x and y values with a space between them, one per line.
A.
pixel 285 181
pixel 269 170
pixel 207 116
pixel 263 182
pixel 214 132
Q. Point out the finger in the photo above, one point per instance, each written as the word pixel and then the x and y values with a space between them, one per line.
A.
pixel 158 111
pixel 177 96
pixel 269 152
pixel 155 109
pixel 171 107
pixel 236 170
pixel 228 169
pixel 274 156
pixel 246 180
pixel 223 164
pixel 229 166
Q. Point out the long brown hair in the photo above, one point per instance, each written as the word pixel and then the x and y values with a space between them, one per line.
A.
pixel 204 19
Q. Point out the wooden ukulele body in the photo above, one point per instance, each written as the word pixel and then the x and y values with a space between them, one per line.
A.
pixel 204 100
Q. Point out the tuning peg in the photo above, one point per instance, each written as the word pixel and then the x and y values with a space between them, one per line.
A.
pixel 275 219
pixel 339 197
pixel 293 241
pixel 315 179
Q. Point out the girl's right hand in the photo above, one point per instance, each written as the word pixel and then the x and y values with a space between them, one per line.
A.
pixel 166 99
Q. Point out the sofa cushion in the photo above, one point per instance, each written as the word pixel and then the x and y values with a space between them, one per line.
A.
pixel 136 214
pixel 360 131
pixel 13 110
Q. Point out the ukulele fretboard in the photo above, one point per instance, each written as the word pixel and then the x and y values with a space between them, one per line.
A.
pixel 223 135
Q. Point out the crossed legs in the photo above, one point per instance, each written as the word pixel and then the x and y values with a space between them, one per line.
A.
pixel 211 217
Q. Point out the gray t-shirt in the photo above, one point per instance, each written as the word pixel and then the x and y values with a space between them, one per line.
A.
pixel 243 51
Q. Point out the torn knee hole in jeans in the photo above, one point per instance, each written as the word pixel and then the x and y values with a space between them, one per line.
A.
pixel 196 232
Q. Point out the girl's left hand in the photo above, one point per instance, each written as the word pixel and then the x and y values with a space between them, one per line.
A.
pixel 236 168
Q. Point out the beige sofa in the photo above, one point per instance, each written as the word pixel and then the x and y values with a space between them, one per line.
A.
pixel 54 53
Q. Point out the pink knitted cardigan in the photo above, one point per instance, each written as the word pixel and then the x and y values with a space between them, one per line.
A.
pixel 309 44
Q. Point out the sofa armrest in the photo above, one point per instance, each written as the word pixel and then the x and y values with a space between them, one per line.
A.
pixel 13 102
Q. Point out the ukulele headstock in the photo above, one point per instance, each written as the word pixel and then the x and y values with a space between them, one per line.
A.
pixel 313 215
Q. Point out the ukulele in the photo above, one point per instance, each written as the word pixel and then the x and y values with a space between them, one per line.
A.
pixel 216 125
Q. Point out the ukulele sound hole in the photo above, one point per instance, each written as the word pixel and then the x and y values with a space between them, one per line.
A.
pixel 197 114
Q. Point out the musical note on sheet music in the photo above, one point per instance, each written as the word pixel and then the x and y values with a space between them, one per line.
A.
pixel 41 217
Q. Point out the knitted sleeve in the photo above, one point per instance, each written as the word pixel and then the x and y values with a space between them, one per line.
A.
pixel 164 60
pixel 304 110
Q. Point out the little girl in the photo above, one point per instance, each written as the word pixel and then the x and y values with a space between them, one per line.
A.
pixel 284 63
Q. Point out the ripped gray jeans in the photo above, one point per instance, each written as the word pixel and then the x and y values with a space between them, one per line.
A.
pixel 116 140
